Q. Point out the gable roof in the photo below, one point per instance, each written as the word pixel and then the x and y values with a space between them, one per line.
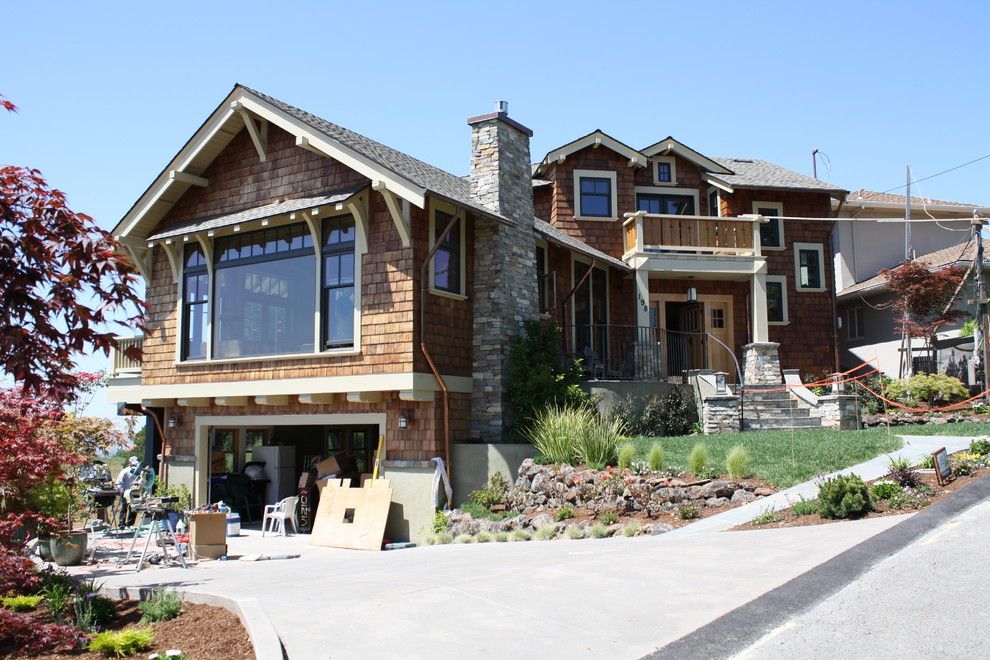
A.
pixel 670 145
pixel 596 137
pixel 756 173
pixel 936 260
pixel 874 199
pixel 407 177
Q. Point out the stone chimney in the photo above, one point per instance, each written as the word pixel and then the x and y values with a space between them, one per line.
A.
pixel 504 260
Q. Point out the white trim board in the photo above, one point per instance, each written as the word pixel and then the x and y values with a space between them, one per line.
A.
pixel 596 174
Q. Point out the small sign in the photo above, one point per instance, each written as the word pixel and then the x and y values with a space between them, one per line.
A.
pixel 943 469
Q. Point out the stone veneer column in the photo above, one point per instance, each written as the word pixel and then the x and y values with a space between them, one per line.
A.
pixel 504 261
pixel 762 364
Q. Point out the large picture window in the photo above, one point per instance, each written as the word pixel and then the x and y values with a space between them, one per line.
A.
pixel 338 282
pixel 665 204
pixel 265 293
pixel 195 303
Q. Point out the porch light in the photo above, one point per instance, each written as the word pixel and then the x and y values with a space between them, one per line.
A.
pixel 720 384
pixel 404 418
pixel 692 294
pixel 173 420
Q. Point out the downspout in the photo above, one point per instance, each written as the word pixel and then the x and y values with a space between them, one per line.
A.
pixel 423 275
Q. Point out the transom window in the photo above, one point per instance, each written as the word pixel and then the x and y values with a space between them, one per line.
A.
pixel 596 197
pixel 195 303
pixel 809 266
pixel 338 281
pixel 264 288
pixel 448 259
pixel 662 204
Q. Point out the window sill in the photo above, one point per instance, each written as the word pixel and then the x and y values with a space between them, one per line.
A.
pixel 336 352
pixel 778 322
pixel 774 248
pixel 585 218
pixel 447 294
pixel 804 289
pixel 669 184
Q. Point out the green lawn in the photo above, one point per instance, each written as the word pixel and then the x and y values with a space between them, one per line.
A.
pixel 785 458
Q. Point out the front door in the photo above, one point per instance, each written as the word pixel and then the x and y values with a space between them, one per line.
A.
pixel 719 325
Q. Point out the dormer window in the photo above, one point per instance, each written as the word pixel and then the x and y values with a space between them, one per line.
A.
pixel 665 171
pixel 595 195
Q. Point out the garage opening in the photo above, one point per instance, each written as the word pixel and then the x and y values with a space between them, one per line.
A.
pixel 254 466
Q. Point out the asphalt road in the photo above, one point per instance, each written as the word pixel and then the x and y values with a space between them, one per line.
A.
pixel 931 599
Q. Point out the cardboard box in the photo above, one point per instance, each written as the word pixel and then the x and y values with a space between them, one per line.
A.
pixel 207 551
pixel 337 464
pixel 207 529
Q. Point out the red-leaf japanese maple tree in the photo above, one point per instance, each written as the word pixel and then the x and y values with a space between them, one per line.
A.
pixel 921 298
pixel 64 282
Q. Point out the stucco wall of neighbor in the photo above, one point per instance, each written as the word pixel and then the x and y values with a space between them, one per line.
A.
pixel 410 517
pixel 475 463
pixel 609 393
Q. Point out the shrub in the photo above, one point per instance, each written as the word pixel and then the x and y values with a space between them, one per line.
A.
pixel 566 512
pixel 631 529
pixel 688 512
pixel 93 610
pixel 122 643
pixel 439 522
pixel 21 633
pixel 501 537
pixel 463 538
pixel 557 431
pixel 902 472
pixel 879 384
pixel 980 447
pixel 598 444
pixel 805 507
pixel 21 603
pixel 546 532
pixel 655 457
pixel 737 463
pixel 964 465
pixel 668 414
pixel 885 490
pixel 17 574
pixel 905 500
pixel 164 605
pixel 599 531
pixel 608 517
pixel 539 377
pixel 765 518
pixel 927 388
pixel 484 537
pixel 575 532
pixel 627 453
pixel 520 535
pixel 844 496
pixel 443 538
pixel 493 493
pixel 697 459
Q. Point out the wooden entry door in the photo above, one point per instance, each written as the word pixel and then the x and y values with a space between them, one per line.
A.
pixel 718 322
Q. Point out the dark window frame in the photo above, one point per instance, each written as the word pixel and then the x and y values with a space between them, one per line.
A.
pixel 816 277
pixel 660 165
pixel 337 250
pixel 607 196
pixel 662 198
pixel 450 246
pixel 776 226
pixel 194 270
pixel 781 298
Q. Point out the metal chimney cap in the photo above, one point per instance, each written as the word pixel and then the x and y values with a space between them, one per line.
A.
pixel 502 106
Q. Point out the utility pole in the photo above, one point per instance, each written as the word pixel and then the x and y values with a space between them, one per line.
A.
pixel 980 332
pixel 907 350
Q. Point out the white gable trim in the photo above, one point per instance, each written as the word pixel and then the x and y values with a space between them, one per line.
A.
pixel 670 145
pixel 596 139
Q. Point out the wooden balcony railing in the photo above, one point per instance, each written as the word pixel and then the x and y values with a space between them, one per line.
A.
pixel 121 365
pixel 644 232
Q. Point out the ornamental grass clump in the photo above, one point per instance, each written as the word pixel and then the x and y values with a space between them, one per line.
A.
pixel 599 531
pixel 697 459
pixel 631 529
pixel 575 532
pixel 557 431
pixel 164 605
pixel 463 538
pixel 122 643
pixel 520 535
pixel 501 537
pixel 627 452
pixel 737 463
pixel 598 445
pixel 484 537
pixel 655 457
pixel 443 538
pixel 546 532
pixel 688 512
pixel 844 496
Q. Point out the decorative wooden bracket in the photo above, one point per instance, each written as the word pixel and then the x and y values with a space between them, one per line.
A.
pixel 185 177
pixel 312 223
pixel 357 205
pixel 141 258
pixel 399 212
pixel 258 132
pixel 174 255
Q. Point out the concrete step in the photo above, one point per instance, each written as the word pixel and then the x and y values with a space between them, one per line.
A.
pixel 786 408
pixel 748 413
pixel 781 425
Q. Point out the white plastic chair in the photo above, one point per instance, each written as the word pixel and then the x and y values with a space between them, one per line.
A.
pixel 278 514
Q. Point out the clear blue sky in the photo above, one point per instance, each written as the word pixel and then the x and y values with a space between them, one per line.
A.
pixel 109 92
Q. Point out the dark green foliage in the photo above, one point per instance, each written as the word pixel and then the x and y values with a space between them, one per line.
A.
pixel 668 414
pixel 765 518
pixel 884 490
pixel 805 507
pixel 688 512
pixel 492 494
pixel 565 512
pixel 93 611
pixel 980 447
pixel 902 472
pixel 845 496
pixel 164 605
pixel 538 375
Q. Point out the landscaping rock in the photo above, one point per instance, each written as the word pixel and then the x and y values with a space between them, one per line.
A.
pixel 763 491
pixel 539 521
pixel 717 501
pixel 655 529
pixel 614 530
pixel 742 496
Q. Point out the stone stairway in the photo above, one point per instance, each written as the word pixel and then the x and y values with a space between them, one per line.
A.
pixel 767 408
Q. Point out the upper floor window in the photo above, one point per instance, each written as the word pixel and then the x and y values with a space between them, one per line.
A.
pixel 664 204
pixel 265 293
pixel 595 193
pixel 448 261
pixel 714 203
pixel 772 232
pixel 809 266
pixel 338 281
pixel 776 299
pixel 665 170
pixel 195 303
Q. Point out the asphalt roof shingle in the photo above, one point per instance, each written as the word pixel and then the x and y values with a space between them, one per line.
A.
pixel 872 196
pixel 756 173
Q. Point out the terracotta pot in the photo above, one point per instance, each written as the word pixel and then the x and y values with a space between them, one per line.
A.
pixel 69 548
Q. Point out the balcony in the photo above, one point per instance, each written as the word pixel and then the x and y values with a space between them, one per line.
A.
pixel 122 366
pixel 692 244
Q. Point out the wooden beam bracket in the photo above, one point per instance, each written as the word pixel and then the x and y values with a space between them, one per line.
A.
pixel 398 211
pixel 258 132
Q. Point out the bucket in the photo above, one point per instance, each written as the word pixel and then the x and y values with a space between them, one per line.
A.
pixel 233 524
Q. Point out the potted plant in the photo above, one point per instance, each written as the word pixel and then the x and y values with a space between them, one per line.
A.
pixel 68 546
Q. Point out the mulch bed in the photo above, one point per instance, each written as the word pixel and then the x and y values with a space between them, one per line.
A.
pixel 786 517
pixel 202 632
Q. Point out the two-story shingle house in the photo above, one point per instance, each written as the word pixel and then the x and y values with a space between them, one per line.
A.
pixel 311 287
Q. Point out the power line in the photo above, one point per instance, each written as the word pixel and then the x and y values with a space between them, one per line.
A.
pixel 932 176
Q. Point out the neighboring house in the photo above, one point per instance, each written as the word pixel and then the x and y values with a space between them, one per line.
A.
pixel 292 301
pixel 869 237
pixel 871 332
